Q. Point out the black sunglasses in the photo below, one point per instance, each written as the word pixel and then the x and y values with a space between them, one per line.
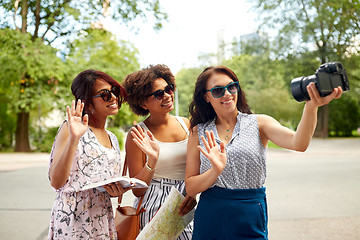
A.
pixel 218 92
pixel 106 95
pixel 159 94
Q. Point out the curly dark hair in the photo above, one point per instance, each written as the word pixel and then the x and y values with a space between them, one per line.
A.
pixel 202 111
pixel 138 85
pixel 83 84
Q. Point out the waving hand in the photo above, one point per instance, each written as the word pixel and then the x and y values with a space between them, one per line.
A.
pixel 216 156
pixel 147 143
pixel 77 124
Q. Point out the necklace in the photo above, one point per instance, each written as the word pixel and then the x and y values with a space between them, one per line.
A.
pixel 227 134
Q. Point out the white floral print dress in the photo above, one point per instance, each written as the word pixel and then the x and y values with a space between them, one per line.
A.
pixel 86 214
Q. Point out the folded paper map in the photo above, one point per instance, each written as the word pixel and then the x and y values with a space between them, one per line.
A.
pixel 124 181
pixel 167 224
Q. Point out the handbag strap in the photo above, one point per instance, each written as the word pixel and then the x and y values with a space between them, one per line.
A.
pixel 124 173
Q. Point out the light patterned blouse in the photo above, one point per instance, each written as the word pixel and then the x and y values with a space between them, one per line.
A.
pixel 86 214
pixel 246 155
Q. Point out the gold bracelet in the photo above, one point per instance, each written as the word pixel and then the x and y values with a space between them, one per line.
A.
pixel 148 167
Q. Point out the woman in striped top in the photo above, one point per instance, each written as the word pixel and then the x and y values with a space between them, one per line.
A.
pixel 151 92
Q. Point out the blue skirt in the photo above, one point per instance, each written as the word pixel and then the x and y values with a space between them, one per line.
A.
pixel 228 214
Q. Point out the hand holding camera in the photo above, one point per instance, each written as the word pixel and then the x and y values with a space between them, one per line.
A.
pixel 316 100
pixel 327 77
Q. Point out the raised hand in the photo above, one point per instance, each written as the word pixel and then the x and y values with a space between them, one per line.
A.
pixel 148 144
pixel 77 124
pixel 216 156
pixel 316 100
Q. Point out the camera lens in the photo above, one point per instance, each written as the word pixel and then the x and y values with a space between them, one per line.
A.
pixel 298 87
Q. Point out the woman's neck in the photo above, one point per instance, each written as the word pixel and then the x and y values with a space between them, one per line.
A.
pixel 158 119
pixel 98 124
pixel 226 120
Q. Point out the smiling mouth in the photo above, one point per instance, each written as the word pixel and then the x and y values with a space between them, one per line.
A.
pixel 114 105
pixel 167 104
pixel 228 101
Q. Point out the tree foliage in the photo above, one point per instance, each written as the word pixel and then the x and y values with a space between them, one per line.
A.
pixel 50 20
pixel 326 30
pixel 53 22
pixel 185 82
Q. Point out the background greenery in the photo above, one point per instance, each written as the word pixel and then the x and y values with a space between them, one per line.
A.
pixel 294 38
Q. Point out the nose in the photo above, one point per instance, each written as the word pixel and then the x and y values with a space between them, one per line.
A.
pixel 227 92
pixel 113 96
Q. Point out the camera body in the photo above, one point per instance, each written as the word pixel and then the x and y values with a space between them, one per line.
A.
pixel 327 77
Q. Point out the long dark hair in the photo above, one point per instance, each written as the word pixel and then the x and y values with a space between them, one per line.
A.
pixel 202 111
pixel 83 84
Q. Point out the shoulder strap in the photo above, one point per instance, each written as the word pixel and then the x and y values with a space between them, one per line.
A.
pixel 143 125
pixel 138 210
pixel 182 123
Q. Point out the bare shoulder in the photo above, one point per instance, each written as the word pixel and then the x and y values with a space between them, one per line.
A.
pixel 265 119
pixel 187 121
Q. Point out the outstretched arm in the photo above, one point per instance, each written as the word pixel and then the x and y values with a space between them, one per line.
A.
pixel 194 181
pixel 66 144
pixel 298 140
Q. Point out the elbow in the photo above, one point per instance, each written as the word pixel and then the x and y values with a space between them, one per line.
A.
pixel 56 185
pixel 301 148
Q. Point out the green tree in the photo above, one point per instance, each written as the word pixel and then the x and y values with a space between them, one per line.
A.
pixel 31 76
pixel 265 87
pixel 327 28
pixel 185 82
pixel 51 21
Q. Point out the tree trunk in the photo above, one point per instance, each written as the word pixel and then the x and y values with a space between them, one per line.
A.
pixel 322 127
pixel 22 132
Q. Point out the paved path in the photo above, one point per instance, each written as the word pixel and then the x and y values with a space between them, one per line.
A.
pixel 311 195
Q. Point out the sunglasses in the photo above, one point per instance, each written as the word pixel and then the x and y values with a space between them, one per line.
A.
pixel 218 92
pixel 159 94
pixel 107 95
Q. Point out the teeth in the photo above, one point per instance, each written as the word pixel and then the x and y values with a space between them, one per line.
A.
pixel 113 105
pixel 228 101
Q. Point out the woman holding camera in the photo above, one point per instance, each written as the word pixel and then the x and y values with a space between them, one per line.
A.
pixel 226 155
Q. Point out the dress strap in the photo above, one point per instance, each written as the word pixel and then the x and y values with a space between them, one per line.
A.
pixel 182 123
pixel 142 124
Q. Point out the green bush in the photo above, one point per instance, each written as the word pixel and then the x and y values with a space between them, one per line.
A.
pixel 44 142
pixel 344 116
pixel 119 133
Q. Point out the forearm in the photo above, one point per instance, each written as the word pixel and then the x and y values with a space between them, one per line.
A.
pixel 306 128
pixel 199 183
pixel 61 167
pixel 146 174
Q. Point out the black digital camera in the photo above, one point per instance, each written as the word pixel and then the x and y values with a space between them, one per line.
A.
pixel 327 77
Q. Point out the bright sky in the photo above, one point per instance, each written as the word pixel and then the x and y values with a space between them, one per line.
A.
pixel 192 28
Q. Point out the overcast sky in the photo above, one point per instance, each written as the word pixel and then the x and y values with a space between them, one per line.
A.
pixel 192 28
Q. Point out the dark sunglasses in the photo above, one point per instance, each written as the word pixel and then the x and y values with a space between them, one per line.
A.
pixel 218 92
pixel 106 95
pixel 159 94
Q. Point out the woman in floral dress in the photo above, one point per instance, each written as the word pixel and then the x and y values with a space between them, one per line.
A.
pixel 85 152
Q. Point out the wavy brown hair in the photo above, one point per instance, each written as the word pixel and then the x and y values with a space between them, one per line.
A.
pixel 138 85
pixel 202 111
